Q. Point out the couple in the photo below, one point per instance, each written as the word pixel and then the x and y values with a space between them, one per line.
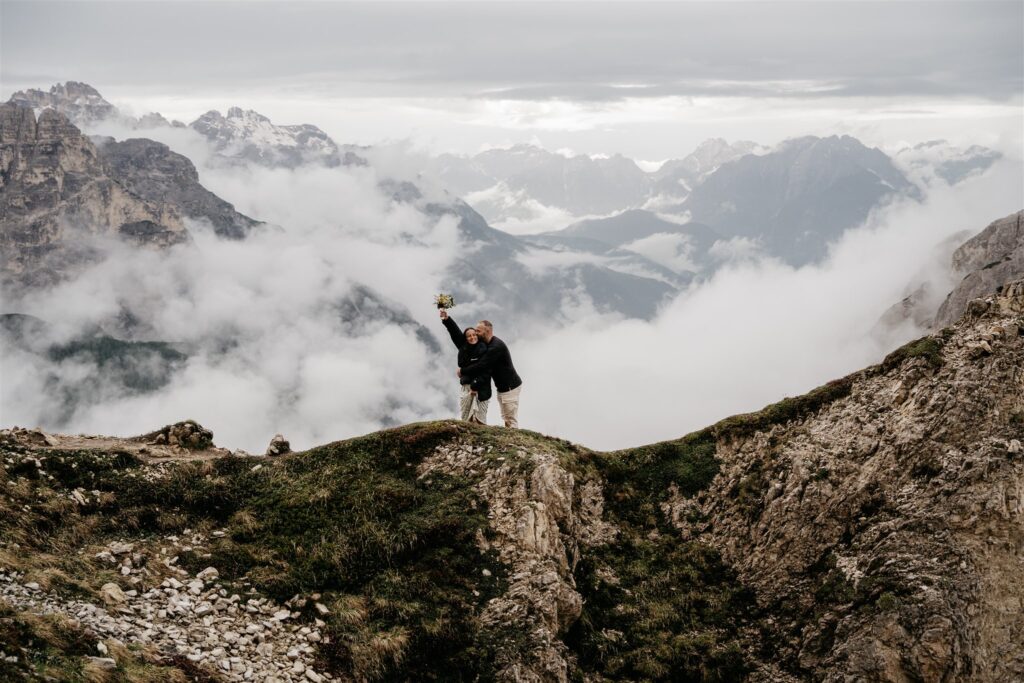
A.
pixel 482 356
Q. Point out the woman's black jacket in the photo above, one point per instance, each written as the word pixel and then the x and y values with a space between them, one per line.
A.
pixel 469 354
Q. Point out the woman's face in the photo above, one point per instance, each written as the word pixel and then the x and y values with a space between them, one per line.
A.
pixel 471 336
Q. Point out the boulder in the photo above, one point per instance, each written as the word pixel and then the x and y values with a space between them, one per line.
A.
pixel 112 594
pixel 278 446
pixel 188 434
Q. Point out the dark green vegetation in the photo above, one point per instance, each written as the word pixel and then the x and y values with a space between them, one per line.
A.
pixel 100 364
pixel 929 348
pixel 138 366
pixel 656 608
pixel 659 609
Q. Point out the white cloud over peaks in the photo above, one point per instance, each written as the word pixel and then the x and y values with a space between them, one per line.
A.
pixel 756 332
pixel 262 319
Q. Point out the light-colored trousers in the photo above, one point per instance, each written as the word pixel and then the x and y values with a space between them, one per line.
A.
pixel 472 408
pixel 509 402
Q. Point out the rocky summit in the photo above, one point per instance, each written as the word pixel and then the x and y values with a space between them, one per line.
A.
pixel 870 530
pixel 57 199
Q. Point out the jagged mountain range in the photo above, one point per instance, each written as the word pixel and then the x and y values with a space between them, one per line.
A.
pixel 239 136
pixel 501 269
pixel 789 202
pixel 792 200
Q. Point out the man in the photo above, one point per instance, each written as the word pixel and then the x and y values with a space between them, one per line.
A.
pixel 497 362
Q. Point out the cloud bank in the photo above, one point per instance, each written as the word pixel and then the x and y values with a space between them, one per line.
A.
pixel 757 331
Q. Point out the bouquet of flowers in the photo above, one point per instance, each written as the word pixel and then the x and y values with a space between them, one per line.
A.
pixel 444 301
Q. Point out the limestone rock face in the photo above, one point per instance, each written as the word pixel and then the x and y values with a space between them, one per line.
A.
pixel 883 535
pixel 56 199
pixel 991 258
pixel 152 171
pixel 541 526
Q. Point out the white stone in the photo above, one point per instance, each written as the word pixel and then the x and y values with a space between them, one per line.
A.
pixel 208 574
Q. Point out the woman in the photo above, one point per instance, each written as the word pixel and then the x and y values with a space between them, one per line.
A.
pixel 476 393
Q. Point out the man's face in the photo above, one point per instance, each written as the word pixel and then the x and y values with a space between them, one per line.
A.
pixel 484 333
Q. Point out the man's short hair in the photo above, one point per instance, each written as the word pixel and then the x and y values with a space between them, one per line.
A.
pixel 487 324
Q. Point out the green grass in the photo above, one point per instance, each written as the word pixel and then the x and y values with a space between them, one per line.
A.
pixel 786 410
pixel 929 348
pixel 658 609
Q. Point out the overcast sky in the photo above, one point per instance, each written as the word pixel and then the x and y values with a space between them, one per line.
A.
pixel 648 80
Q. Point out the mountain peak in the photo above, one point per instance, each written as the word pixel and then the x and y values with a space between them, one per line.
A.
pixel 80 102
pixel 247 135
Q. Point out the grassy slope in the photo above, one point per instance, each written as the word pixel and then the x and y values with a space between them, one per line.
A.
pixel 395 558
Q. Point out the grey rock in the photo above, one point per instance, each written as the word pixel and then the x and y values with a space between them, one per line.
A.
pixel 152 171
pixel 79 102
pixel 986 262
pixel 57 198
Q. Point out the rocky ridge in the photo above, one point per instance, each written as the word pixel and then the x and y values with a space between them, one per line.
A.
pixel 869 530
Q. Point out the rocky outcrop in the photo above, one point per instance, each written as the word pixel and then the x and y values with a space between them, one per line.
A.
pixel 56 200
pixel 279 446
pixel 541 525
pixel 188 434
pixel 883 534
pixel 153 172
pixel 988 260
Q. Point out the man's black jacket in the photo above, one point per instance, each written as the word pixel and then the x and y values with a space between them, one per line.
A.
pixel 497 363
pixel 470 353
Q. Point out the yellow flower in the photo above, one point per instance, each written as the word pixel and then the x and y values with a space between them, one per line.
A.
pixel 444 301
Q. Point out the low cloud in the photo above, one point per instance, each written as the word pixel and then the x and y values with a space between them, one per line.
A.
pixel 756 332
pixel 279 335
pixel 272 350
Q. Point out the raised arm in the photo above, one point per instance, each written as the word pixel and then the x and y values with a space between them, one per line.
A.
pixel 454 332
